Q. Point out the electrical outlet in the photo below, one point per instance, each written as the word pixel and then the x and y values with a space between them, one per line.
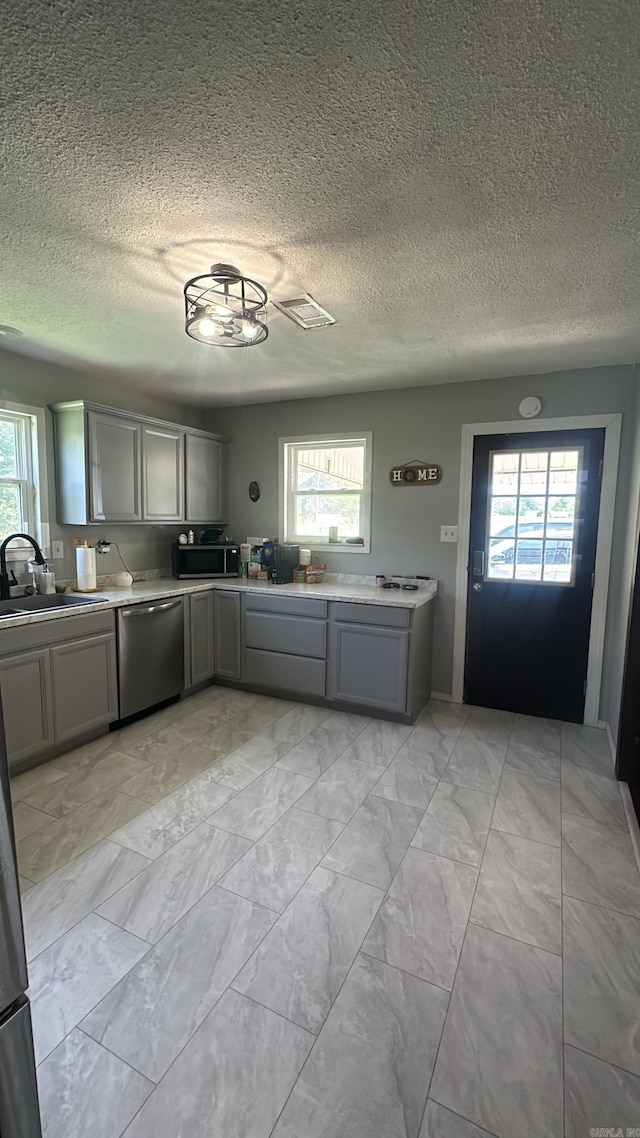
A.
pixel 448 533
pixel 57 549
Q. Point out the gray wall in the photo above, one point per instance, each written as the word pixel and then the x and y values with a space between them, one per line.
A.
pixel 422 423
pixel 36 383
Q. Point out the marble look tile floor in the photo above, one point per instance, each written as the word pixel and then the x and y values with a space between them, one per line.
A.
pixel 251 917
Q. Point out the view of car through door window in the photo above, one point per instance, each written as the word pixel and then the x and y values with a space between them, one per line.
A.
pixel 532 515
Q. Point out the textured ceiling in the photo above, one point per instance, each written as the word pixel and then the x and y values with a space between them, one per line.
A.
pixel 456 182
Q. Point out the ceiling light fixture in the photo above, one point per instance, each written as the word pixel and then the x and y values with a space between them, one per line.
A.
pixel 225 309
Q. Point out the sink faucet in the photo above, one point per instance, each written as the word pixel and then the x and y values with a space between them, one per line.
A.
pixel 4 576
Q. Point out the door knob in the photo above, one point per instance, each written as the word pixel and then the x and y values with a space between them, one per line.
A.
pixel 477 588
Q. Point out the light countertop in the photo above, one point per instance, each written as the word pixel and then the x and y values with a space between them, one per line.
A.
pixel 141 591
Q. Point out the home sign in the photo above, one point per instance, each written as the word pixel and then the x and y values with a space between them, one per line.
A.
pixel 416 474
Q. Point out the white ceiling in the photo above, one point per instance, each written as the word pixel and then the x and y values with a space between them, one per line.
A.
pixel 457 183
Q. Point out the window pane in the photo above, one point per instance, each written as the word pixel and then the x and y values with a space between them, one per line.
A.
pixel 505 473
pixel 531 512
pixel 563 473
pixel 533 472
pixel 561 516
pixel 315 513
pixel 8 450
pixel 503 517
pixel 528 560
pixel 501 560
pixel 330 468
pixel 558 561
pixel 10 511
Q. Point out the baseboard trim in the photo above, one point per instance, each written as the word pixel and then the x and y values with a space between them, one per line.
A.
pixel 632 821
pixel 627 801
pixel 442 696
pixel 611 740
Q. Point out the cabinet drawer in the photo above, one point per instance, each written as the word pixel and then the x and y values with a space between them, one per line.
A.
pixel 276 632
pixel 295 606
pixel 371 614
pixel 282 672
pixel 43 632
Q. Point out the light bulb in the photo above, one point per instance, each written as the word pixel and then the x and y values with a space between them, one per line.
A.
pixel 209 327
pixel 250 329
pixel 222 311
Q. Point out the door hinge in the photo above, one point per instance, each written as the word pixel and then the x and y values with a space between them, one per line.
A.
pixel 593 580
pixel 600 468
pixel 584 688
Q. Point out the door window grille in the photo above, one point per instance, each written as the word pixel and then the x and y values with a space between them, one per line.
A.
pixel 533 515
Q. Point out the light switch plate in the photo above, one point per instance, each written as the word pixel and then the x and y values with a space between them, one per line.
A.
pixel 57 549
pixel 448 533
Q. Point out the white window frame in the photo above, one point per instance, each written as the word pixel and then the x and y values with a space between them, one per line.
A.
pixel 34 486
pixel 286 496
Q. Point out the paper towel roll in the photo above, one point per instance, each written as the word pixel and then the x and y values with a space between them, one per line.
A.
pixel 86 568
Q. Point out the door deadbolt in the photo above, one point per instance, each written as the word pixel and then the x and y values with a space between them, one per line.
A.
pixel 477 588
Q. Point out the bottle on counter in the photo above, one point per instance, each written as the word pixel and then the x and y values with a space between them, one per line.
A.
pixel 190 537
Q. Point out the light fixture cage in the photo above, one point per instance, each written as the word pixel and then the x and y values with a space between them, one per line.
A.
pixel 225 309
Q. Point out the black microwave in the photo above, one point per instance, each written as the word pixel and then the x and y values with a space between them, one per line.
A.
pixel 190 561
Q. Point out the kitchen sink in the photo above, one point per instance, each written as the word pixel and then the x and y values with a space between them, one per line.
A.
pixel 18 606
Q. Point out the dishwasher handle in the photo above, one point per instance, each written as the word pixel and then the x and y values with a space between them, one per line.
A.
pixel 145 610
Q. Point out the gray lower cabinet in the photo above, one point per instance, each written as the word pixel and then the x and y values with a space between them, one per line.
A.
pixel 27 706
pixel 58 683
pixel 285 643
pixel 199 662
pixel 226 636
pixel 368 665
pixel 367 656
pixel 85 687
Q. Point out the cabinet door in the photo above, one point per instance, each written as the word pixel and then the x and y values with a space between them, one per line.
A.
pixel 200 638
pixel 85 692
pixel 205 480
pixel 25 687
pixel 115 464
pixel 368 665
pixel 162 474
pixel 226 623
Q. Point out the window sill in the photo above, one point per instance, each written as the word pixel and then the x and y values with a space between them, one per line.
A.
pixel 327 547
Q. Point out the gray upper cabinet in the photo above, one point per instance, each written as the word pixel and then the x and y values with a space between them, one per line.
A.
pixel 115 462
pixel 205 479
pixel 114 467
pixel 163 474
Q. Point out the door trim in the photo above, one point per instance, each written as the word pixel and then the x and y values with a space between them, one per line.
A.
pixel 612 424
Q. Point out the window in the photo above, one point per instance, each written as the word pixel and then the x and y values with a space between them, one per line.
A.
pixel 21 463
pixel 326 483
pixel 533 515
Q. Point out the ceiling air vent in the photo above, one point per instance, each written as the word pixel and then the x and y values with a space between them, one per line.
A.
pixel 305 312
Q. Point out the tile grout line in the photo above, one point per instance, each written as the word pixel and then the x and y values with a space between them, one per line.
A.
pixel 464 938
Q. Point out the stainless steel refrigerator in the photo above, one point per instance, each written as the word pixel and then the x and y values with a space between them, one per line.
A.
pixel 19 1112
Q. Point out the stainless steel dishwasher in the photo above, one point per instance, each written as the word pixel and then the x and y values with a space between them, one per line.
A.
pixel 150 654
